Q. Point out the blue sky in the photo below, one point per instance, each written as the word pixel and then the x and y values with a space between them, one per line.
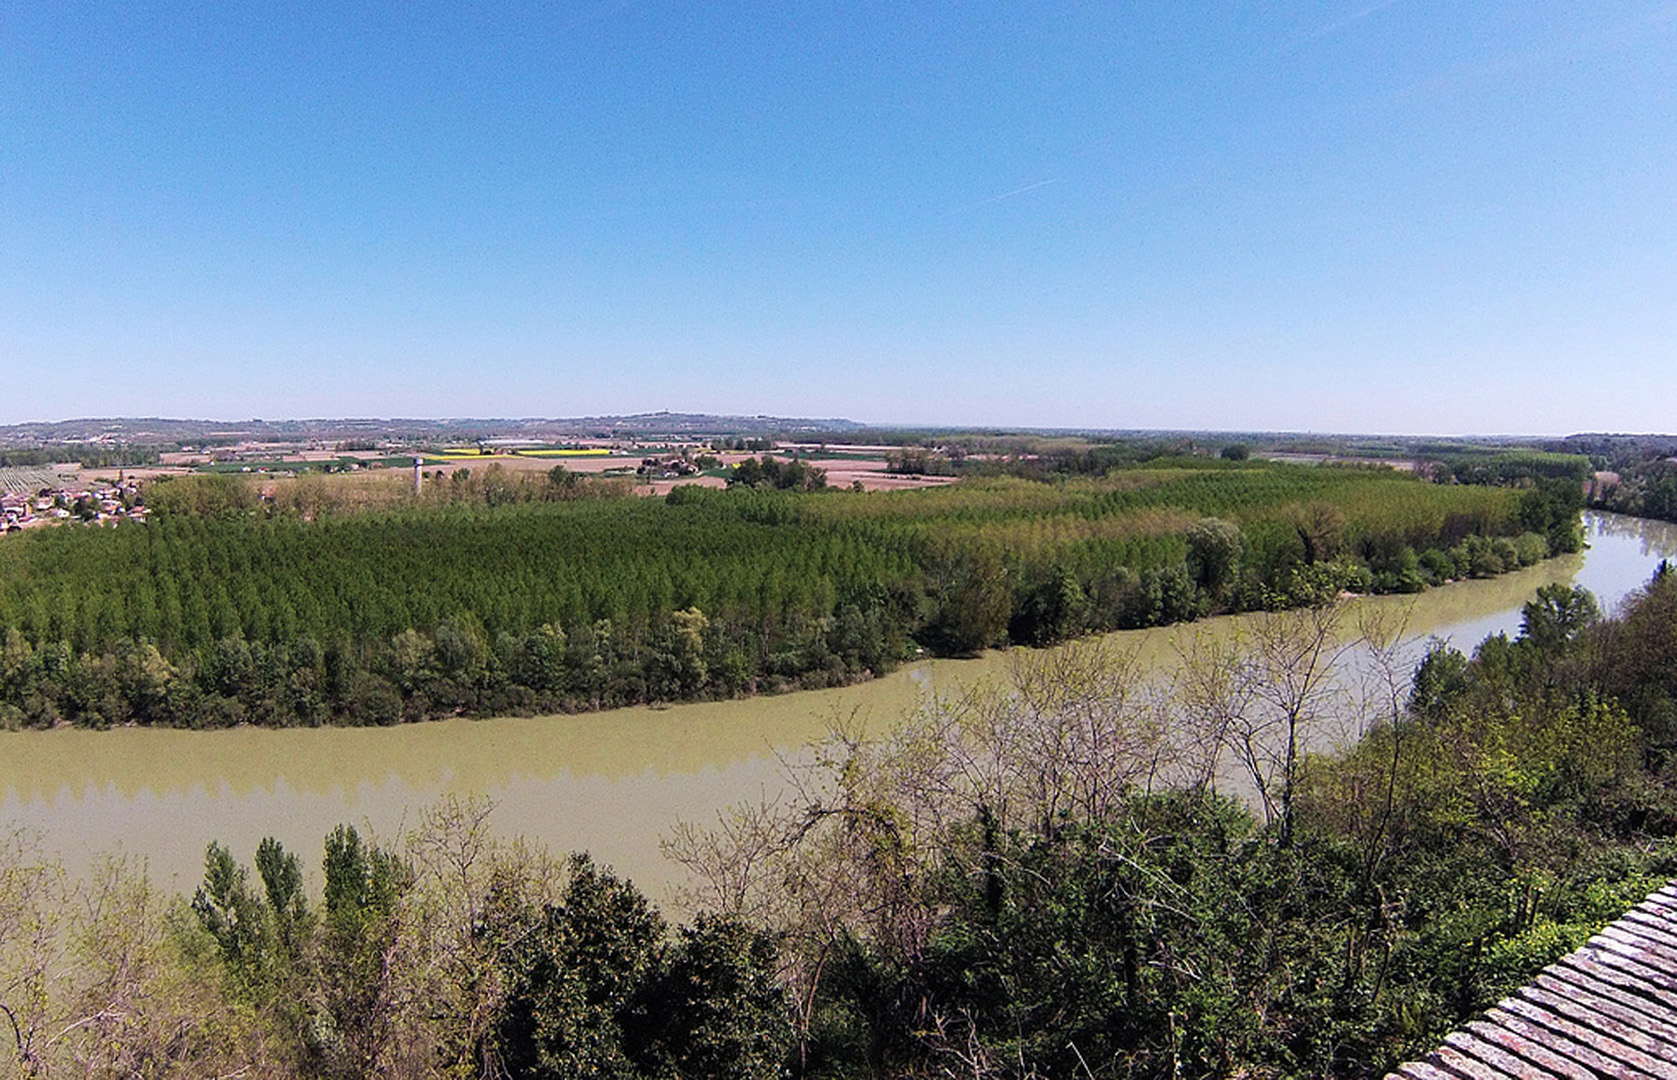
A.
pixel 1331 215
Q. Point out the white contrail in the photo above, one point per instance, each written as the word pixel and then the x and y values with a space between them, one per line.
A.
pixel 1356 16
pixel 1011 194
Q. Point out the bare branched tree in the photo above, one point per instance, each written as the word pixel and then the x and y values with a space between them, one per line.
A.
pixel 1251 704
pixel 33 895
pixel 91 984
pixel 445 986
pixel 849 852
pixel 1202 703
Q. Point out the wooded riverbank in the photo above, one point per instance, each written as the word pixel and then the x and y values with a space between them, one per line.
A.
pixel 610 782
pixel 1024 878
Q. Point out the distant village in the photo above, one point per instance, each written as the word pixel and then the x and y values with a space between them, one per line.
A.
pixel 95 471
pixel 103 503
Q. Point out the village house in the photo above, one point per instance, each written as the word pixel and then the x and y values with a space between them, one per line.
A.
pixel 14 511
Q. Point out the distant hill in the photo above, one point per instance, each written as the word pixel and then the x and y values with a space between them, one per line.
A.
pixel 158 430
pixel 1612 445
pixel 161 432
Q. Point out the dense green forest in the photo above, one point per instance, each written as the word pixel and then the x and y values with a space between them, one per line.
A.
pixel 1037 881
pixel 1646 486
pixel 223 610
pixel 1503 466
pixel 1628 474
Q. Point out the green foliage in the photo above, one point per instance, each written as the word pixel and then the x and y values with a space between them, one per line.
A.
pixel 1634 659
pixel 1215 548
pixel 235 916
pixel 1006 888
pixel 595 988
pixel 717 1008
pixel 590 983
pixel 972 602
pixel 1646 485
pixel 1428 870
pixel 282 881
pixel 772 473
pixel 1518 466
pixel 1101 952
pixel 1550 509
pixel 919 461
pixel 221 612
pixel 1554 619
pixel 200 496
pixel 1441 679
pixel 88 457
pixel 1053 609
pixel 359 926
pixel 575 980
pixel 362 883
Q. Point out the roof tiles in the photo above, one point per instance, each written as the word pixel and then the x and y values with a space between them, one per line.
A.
pixel 1607 1010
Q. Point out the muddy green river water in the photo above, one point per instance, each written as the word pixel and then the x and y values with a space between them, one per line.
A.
pixel 612 783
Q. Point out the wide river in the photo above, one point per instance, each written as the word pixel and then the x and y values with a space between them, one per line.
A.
pixel 612 783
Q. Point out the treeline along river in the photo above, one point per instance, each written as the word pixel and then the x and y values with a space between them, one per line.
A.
pixel 611 782
pixel 213 617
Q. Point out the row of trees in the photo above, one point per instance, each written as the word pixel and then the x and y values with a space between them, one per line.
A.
pixel 221 611
pixel 88 456
pixel 769 472
pixel 1512 467
pixel 311 496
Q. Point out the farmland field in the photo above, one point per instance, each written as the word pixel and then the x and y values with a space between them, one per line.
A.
pixel 29 480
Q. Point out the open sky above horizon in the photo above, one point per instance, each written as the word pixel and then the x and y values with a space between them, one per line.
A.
pixel 1416 216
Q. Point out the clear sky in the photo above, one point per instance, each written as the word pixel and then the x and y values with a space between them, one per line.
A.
pixel 1431 216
